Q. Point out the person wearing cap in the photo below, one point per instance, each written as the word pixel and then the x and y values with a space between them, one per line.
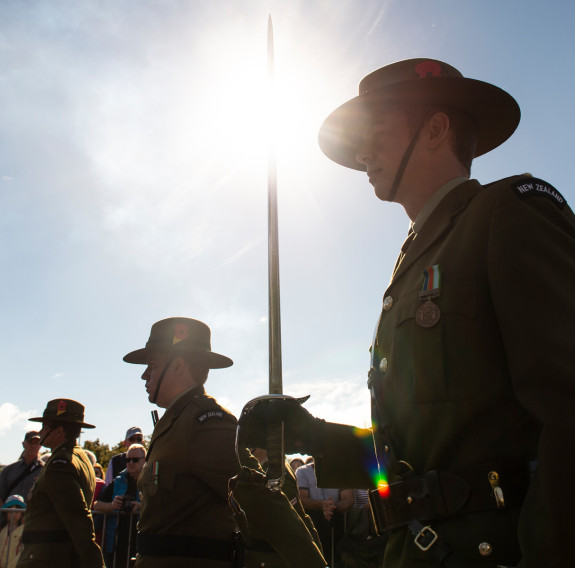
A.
pixel 59 530
pixel 120 501
pixel 185 518
pixel 117 464
pixel 11 533
pixel 471 378
pixel 18 477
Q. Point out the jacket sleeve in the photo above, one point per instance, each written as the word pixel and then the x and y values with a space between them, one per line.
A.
pixel 531 264
pixel 346 459
pixel 68 501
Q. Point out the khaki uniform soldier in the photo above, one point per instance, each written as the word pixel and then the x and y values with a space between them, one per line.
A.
pixel 58 530
pixel 185 518
pixel 472 382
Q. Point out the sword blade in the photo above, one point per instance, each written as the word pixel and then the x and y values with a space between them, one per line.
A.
pixel 275 439
pixel 274 318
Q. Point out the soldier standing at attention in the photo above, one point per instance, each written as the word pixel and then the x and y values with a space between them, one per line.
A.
pixel 185 518
pixel 59 530
pixel 472 379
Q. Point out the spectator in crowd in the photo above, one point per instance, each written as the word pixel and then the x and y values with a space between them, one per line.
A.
pixel 18 477
pixel 118 462
pixel 361 547
pixel 59 530
pixel 100 484
pixel 121 496
pixel 99 471
pixel 326 507
pixel 295 463
pixel 11 533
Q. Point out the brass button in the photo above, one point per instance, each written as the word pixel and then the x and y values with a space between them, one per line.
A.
pixel 387 303
pixel 383 365
pixel 386 448
pixel 409 500
pixel 485 549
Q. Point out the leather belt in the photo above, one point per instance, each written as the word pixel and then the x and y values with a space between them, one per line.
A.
pixel 41 537
pixel 186 546
pixel 439 494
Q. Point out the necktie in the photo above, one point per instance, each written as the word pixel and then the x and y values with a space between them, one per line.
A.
pixel 410 236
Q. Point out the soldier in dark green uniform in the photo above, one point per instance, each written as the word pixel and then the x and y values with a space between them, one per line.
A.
pixel 185 518
pixel 472 380
pixel 58 529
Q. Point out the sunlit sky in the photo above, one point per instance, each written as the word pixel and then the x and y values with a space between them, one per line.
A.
pixel 133 185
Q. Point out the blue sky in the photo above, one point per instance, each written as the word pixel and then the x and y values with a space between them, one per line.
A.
pixel 133 185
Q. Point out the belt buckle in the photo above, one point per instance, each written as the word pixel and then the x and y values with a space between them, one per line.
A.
pixel 425 533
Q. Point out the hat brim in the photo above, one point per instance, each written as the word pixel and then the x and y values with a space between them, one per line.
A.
pixel 14 504
pixel 495 112
pixel 46 418
pixel 213 360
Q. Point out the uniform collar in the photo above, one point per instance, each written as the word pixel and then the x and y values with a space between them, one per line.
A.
pixel 438 223
pixel 435 200
pixel 199 389
pixel 172 412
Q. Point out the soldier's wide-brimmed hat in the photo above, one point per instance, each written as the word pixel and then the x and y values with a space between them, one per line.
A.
pixel 63 410
pixel 495 113
pixel 181 335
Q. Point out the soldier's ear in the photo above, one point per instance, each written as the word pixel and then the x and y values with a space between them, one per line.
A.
pixel 438 128
pixel 179 365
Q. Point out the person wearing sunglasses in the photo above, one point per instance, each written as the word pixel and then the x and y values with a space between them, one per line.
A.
pixel 120 502
pixel 117 464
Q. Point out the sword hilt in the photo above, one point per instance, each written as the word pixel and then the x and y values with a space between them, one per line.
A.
pixel 275 474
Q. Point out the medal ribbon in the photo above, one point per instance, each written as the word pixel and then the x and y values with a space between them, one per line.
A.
pixel 431 279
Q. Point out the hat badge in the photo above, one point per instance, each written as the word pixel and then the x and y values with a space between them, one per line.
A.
pixel 428 69
pixel 61 408
pixel 180 333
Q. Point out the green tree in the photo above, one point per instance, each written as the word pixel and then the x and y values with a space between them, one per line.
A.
pixel 103 451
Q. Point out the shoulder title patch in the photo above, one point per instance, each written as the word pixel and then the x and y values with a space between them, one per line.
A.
pixel 529 187
pixel 60 461
pixel 210 415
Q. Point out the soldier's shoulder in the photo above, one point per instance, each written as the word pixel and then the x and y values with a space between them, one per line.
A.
pixel 527 188
pixel 207 409
pixel 61 460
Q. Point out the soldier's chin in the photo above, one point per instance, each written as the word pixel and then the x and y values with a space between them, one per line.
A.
pixel 381 192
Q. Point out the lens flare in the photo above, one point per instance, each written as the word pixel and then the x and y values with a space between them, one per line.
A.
pixel 377 470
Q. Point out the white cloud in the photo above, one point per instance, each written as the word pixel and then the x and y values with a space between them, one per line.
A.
pixel 343 400
pixel 12 416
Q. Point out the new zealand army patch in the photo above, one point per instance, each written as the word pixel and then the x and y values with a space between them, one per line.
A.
pixel 210 415
pixel 60 461
pixel 529 187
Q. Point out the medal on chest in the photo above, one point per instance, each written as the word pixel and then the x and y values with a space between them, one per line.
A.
pixel 154 478
pixel 428 313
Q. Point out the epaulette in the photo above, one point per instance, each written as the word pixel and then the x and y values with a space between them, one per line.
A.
pixel 60 462
pixel 525 186
pixel 210 410
pixel 529 186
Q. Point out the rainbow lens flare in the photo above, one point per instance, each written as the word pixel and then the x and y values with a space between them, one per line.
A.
pixel 377 471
